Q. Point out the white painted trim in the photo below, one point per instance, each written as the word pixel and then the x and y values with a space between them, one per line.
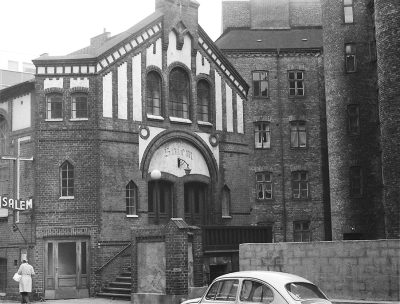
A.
pixel 67 197
pixel 132 216
pixel 204 123
pixel 178 119
pixel 155 117
pixel 226 217
pixel 53 119
pixel 79 119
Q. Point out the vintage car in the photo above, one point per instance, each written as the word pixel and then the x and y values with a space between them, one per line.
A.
pixel 261 287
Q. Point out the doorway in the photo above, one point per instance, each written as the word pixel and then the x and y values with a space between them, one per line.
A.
pixel 66 273
pixel 195 202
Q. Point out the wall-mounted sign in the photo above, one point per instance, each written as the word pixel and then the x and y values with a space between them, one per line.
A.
pixel 15 204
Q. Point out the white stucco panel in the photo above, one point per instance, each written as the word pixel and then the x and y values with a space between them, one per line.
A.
pixel 184 55
pixel 137 87
pixel 53 83
pixel 166 157
pixel 154 54
pixel 239 113
pixel 21 112
pixel 123 91
pixel 143 143
pixel 202 64
pixel 79 82
pixel 218 101
pixel 229 108
pixel 107 95
pixel 215 150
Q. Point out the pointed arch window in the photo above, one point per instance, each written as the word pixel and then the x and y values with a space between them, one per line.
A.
pixel 179 93
pixel 153 94
pixel 131 198
pixel 226 202
pixel 203 100
pixel 67 179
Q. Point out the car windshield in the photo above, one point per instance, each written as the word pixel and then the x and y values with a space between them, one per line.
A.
pixel 304 291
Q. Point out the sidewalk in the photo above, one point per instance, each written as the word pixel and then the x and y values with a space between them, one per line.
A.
pixel 75 301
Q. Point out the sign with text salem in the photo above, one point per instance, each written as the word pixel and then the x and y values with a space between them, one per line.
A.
pixel 15 204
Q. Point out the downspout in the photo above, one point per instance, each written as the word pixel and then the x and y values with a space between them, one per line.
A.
pixel 280 111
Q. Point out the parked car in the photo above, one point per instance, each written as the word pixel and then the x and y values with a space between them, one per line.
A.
pixel 261 287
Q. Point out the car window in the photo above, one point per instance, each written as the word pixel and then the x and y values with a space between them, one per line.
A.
pixel 256 292
pixel 304 291
pixel 224 290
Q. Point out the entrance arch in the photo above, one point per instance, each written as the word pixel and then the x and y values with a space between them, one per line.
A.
pixel 187 163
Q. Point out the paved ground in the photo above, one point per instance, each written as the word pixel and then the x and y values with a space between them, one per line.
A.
pixel 75 301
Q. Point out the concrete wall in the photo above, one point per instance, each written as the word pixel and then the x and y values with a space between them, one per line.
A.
pixel 367 270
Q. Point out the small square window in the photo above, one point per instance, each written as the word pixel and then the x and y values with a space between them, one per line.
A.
pixel 296 83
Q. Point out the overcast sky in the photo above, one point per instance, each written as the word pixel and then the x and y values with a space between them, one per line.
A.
pixel 29 28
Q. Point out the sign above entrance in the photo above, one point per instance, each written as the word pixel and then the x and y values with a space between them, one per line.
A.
pixel 182 153
pixel 15 204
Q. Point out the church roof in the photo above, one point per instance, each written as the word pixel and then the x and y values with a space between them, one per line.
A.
pixel 252 40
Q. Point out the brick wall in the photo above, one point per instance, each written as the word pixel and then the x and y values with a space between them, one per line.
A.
pixel 387 24
pixel 367 270
pixel 280 158
pixel 235 14
pixel 359 215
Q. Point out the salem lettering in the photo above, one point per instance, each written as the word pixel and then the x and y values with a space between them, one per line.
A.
pixel 15 204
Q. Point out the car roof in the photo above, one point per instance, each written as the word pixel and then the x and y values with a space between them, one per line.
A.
pixel 280 278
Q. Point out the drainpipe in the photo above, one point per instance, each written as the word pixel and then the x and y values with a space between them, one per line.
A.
pixel 280 111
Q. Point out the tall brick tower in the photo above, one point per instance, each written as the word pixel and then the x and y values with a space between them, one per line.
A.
pixel 387 24
pixel 352 119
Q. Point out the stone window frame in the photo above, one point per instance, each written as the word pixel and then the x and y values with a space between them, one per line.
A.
pixel 302 231
pixel 151 108
pixel 300 185
pixel 262 135
pixel 296 132
pixel 296 83
pixel 131 199
pixel 264 184
pixel 348 11
pixel 356 189
pixel 350 57
pixel 69 188
pixel 259 93
pixel 353 119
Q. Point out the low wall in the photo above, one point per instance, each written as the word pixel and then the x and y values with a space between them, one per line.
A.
pixel 359 270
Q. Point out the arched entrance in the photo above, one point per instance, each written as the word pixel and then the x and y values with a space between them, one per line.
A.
pixel 185 185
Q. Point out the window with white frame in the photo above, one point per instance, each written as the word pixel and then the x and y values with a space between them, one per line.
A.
pixel 350 57
pixel 264 185
pixel 67 179
pixel 348 11
pixel 203 100
pixel 54 106
pixel 298 134
pixel 296 83
pixel 301 231
pixel 131 198
pixel 300 184
pixel 262 135
pixel 260 83
pixel 153 94
pixel 79 106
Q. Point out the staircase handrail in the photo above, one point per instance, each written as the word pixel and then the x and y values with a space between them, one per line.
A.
pixel 113 258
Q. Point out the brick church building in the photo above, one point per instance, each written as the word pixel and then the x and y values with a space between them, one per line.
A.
pixel 282 130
